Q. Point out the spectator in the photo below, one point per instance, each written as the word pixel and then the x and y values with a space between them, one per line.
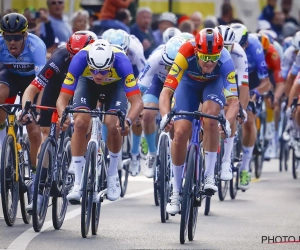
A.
pixel 92 18
pixel 80 20
pixel 268 11
pixel 286 6
pixel 226 14
pixel 210 22
pixel 196 18
pixel 277 24
pixel 132 9
pixel 141 29
pixel 187 26
pixel 165 20
pixel 31 15
pixel 59 23
pixel 182 19
pixel 124 16
pixel 289 29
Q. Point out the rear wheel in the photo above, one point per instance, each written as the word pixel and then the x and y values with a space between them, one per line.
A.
pixel 9 184
pixel 296 162
pixel 222 185
pixel 233 183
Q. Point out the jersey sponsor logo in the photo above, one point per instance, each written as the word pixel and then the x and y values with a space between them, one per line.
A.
pixel 231 77
pixel 168 80
pixel 130 81
pixel 216 99
pixel 36 68
pixel 175 70
pixel 144 72
pixel 245 76
pixel 259 51
pixel 233 89
pixel 48 73
pixel 236 54
pixel 69 80
pixel 52 65
pixel 21 67
pixel 274 56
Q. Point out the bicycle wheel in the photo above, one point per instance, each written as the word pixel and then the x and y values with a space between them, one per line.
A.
pixel 207 205
pixel 60 204
pixel 25 170
pixel 43 184
pixel 295 161
pixel 233 183
pixel 124 172
pixel 164 178
pixel 188 185
pixel 88 180
pixel 9 185
pixel 222 185
pixel 284 147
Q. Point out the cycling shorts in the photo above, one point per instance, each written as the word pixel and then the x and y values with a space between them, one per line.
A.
pixel 152 93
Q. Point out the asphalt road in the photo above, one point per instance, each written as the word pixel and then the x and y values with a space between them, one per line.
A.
pixel 270 208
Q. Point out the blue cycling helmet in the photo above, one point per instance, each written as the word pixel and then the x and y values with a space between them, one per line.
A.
pixel 186 35
pixel 106 34
pixel 121 38
pixel 170 49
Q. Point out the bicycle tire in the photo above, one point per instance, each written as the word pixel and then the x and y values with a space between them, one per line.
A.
pixel 23 166
pixel 47 149
pixel 187 191
pixel 207 205
pixel 88 188
pixel 222 185
pixel 58 215
pixel 164 177
pixel 8 177
pixel 233 183
pixel 295 165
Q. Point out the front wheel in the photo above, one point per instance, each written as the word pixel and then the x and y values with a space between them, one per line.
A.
pixel 296 162
pixel 233 183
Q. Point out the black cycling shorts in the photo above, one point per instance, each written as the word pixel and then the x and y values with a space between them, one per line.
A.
pixel 88 93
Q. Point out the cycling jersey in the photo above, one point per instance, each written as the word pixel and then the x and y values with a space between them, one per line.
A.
pixel 185 67
pixel 31 60
pixel 278 48
pixel 289 56
pixel 240 61
pixel 273 63
pixel 296 65
pixel 136 53
pixel 121 71
pixel 256 58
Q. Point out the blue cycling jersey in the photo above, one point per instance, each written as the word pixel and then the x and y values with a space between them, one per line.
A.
pixel 31 60
pixel 256 58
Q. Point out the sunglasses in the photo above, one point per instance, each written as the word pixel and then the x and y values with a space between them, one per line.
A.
pixel 10 38
pixel 168 68
pixel 207 58
pixel 228 47
pixel 57 3
pixel 101 71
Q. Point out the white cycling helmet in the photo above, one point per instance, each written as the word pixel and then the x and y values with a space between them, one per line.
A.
pixel 186 35
pixel 100 55
pixel 241 33
pixel 170 49
pixel 227 34
pixel 121 38
pixel 169 33
pixel 168 16
pixel 106 34
pixel 296 40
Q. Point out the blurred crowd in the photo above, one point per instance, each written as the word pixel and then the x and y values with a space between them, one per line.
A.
pixel 53 27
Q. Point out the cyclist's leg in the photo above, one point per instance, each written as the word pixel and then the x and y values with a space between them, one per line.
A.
pixel 115 99
pixel 150 98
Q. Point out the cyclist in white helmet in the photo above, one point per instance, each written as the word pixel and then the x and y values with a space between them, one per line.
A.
pixel 151 81
pixel 240 61
pixel 169 33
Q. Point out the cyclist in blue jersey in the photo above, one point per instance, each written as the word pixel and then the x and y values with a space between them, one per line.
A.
pixel 22 56
pixel 259 83
pixel 99 69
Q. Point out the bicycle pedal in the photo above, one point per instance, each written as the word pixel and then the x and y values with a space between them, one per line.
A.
pixel 209 192
pixel 74 202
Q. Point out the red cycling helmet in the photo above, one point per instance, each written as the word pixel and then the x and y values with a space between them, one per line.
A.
pixel 79 40
pixel 209 41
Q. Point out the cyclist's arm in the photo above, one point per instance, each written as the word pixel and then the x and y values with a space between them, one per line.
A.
pixel 39 55
pixel 294 91
pixel 164 100
pixel 289 82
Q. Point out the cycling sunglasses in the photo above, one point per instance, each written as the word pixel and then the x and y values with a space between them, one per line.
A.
pixel 168 68
pixel 101 71
pixel 228 47
pixel 10 38
pixel 207 58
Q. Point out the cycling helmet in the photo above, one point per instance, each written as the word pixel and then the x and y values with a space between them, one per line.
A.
pixel 227 34
pixel 170 49
pixel 13 23
pixel 287 42
pixel 186 35
pixel 241 33
pixel 121 38
pixel 209 41
pixel 168 16
pixel 79 40
pixel 100 55
pixel 296 40
pixel 264 40
pixel 270 33
pixel 169 33
pixel 106 34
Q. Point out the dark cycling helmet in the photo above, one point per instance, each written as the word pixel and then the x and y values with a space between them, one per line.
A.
pixel 13 23
pixel 79 40
pixel 209 41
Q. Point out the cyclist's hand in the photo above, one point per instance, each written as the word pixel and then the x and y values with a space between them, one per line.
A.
pixel 288 112
pixel 227 128
pixel 126 130
pixel 25 119
pixel 66 123
pixel 241 121
pixel 164 125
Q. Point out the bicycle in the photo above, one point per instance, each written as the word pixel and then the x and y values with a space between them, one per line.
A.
pixel 94 178
pixel 192 188
pixel 16 175
pixel 51 179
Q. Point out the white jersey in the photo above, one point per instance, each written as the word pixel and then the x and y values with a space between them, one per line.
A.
pixel 289 56
pixel 279 49
pixel 136 53
pixel 240 61
pixel 154 67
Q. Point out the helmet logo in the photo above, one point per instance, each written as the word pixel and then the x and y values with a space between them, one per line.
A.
pixel 77 38
pixel 99 48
